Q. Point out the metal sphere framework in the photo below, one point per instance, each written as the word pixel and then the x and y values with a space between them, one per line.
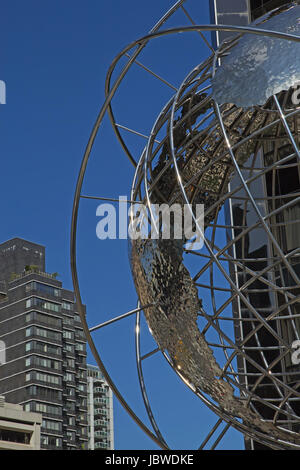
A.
pixel 228 328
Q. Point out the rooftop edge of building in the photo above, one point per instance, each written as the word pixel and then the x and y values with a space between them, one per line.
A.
pixel 17 254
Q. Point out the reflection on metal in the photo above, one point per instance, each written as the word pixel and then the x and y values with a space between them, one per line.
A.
pixel 247 159
pixel 267 65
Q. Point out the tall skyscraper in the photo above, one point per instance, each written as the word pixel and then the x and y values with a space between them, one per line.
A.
pixel 45 348
pixel 255 249
pixel 100 411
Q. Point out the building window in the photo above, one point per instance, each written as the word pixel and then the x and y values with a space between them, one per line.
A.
pixel 80 347
pixel 68 334
pixel 15 436
pixel 51 425
pixel 70 406
pixel 2 352
pixel 51 441
pixel 46 378
pixel 43 318
pixel 38 407
pixel 40 287
pixel 71 420
pixel 81 374
pixel 42 303
pixel 260 7
pixel 47 334
pixel 42 362
pixel 44 393
pixel 69 348
pixel 49 409
pixel 43 347
pixel 70 362
pixel 37 331
pixel 69 377
pixel 82 402
pixel 70 392
pixel 67 306
pixel 51 379
pixel 80 334
pixel 71 435
pixel 68 321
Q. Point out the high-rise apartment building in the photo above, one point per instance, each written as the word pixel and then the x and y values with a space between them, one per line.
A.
pixel 100 411
pixel 255 249
pixel 44 366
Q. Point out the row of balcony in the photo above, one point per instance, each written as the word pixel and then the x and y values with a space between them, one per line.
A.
pixel 101 389
pixel 102 445
pixel 101 411
pixel 101 401
pixel 101 434
pixel 101 422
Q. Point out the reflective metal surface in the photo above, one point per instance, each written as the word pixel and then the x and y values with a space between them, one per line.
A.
pixel 267 65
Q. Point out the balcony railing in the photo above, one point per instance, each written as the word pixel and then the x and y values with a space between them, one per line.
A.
pixel 100 411
pixel 101 422
pixel 100 401
pixel 101 434
pixel 15 276
pixel 102 445
pixel 100 390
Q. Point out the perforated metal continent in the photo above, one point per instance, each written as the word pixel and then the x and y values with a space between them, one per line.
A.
pixel 219 154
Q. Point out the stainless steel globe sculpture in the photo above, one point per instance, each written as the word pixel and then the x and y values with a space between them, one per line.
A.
pixel 230 140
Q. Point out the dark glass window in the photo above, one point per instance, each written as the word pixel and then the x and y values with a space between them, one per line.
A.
pixel 40 287
pixel 15 436
pixel 44 393
pixel 42 303
pixel 43 318
pixel 260 7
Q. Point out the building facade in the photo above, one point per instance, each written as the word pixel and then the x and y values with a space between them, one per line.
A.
pixel 19 429
pixel 44 366
pixel 256 249
pixel 100 411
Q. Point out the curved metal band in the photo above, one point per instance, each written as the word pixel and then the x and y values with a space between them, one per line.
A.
pixel 141 379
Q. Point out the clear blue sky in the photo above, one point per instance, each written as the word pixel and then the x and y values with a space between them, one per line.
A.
pixel 54 56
